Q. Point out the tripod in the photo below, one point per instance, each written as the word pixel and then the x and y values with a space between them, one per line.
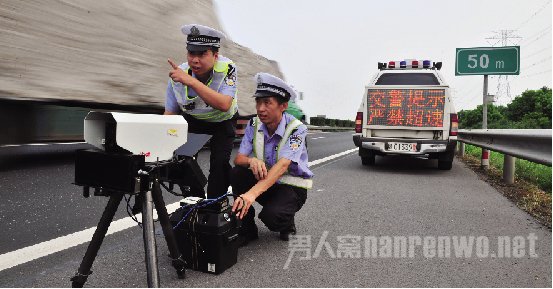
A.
pixel 151 198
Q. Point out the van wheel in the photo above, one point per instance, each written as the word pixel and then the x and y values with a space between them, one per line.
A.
pixel 368 160
pixel 445 165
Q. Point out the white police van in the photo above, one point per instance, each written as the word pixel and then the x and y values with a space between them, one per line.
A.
pixel 407 110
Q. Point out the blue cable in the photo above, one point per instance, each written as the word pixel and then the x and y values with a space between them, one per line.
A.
pixel 196 206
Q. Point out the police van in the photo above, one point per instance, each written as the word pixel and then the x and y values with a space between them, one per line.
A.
pixel 407 110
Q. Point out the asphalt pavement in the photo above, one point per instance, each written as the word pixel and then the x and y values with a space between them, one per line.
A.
pixel 349 207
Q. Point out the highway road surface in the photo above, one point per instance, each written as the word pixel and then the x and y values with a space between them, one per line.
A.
pixel 400 223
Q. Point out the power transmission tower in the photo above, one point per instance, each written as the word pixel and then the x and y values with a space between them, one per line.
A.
pixel 504 38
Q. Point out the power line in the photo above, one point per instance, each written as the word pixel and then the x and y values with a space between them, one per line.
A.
pixel 539 35
pixel 470 92
pixel 538 52
pixel 533 74
pixel 533 15
pixel 504 38
pixel 537 62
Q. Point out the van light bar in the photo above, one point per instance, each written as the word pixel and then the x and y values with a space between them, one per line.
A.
pixel 408 63
pixel 426 64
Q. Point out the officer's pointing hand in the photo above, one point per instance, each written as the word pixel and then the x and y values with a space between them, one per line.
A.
pixel 178 75
pixel 172 64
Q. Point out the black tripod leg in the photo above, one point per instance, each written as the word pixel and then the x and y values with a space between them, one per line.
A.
pixel 84 270
pixel 163 216
pixel 149 241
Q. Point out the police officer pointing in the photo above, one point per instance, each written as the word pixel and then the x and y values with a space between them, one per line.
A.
pixel 271 164
pixel 203 90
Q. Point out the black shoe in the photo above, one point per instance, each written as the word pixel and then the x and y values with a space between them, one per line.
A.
pixel 285 234
pixel 248 235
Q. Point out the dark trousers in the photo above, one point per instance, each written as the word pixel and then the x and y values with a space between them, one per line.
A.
pixel 220 147
pixel 280 202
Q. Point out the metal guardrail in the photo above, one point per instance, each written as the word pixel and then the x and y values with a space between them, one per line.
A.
pixel 529 144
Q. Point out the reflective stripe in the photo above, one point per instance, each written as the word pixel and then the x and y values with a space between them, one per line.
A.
pixel 259 152
pixel 296 181
pixel 207 114
pixel 215 115
pixel 258 141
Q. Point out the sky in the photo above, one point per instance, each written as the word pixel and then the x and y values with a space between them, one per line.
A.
pixel 329 50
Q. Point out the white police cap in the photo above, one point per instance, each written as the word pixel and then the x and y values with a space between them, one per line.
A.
pixel 201 38
pixel 270 85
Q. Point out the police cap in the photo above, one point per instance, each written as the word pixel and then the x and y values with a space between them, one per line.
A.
pixel 201 38
pixel 270 85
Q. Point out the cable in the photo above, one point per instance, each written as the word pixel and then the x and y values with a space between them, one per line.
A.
pixel 129 210
pixel 201 205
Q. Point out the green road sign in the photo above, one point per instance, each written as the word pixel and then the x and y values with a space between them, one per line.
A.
pixel 488 61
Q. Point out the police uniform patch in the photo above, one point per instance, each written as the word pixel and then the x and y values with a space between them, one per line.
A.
pixel 295 142
pixel 230 79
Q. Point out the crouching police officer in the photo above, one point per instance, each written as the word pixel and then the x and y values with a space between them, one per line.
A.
pixel 204 91
pixel 271 164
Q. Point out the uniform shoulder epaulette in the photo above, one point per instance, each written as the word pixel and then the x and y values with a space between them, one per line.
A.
pixel 230 69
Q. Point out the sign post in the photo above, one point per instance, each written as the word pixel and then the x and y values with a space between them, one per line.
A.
pixel 487 61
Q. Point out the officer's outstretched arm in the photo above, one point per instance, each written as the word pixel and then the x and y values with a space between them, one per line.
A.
pixel 213 98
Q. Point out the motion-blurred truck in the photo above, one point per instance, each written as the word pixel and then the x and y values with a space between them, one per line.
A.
pixel 61 60
pixel 407 110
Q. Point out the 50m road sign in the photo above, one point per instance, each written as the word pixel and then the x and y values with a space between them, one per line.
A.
pixel 488 61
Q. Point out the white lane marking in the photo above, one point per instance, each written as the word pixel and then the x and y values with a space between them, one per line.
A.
pixel 30 253
pixel 319 137
pixel 41 144
pixel 326 159
pixel 24 255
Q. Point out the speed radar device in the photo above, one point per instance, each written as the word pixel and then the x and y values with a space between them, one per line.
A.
pixel 125 143
pixel 154 136
pixel 135 155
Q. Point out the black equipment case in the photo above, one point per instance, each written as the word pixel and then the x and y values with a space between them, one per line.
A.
pixel 208 238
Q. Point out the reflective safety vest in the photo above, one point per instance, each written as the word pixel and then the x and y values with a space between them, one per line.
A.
pixel 194 105
pixel 259 152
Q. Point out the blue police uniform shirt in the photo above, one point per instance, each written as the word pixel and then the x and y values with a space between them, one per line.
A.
pixel 228 87
pixel 297 154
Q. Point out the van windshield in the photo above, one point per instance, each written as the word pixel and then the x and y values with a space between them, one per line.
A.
pixel 407 79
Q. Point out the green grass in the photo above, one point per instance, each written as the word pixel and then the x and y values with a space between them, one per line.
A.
pixel 537 174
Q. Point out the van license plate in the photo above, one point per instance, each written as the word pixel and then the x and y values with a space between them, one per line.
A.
pixel 402 147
